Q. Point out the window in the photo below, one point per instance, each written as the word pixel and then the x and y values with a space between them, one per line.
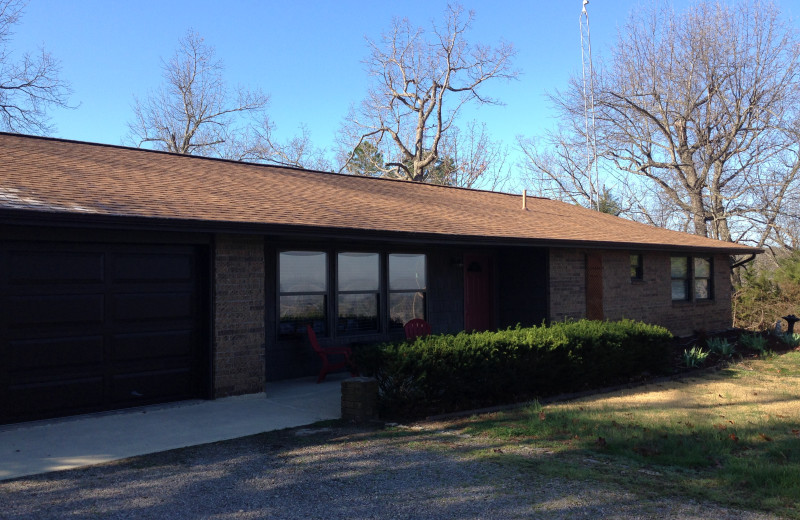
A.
pixel 691 278
pixel 679 269
pixel 303 291
pixel 702 279
pixel 407 287
pixel 637 267
pixel 348 292
pixel 358 292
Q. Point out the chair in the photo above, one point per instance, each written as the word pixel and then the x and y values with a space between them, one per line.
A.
pixel 327 366
pixel 417 328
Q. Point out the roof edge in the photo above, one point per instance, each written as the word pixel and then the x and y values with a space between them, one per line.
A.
pixel 25 217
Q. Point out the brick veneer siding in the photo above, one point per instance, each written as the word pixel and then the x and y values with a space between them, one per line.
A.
pixel 238 315
pixel 648 300
pixel 567 284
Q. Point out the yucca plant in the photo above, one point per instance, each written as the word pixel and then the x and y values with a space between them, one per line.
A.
pixel 694 357
pixel 754 341
pixel 721 346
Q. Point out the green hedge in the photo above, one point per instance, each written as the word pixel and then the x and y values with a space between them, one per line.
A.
pixel 448 372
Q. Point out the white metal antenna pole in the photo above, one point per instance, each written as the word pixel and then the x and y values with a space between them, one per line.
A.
pixel 588 108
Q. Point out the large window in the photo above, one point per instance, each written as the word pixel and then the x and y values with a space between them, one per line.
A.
pixel 349 292
pixel 691 278
pixel 358 288
pixel 407 287
pixel 303 289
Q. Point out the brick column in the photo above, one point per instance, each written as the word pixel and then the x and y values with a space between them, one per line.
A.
pixel 238 315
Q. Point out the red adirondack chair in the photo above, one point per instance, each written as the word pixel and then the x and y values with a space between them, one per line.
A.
pixel 417 328
pixel 327 366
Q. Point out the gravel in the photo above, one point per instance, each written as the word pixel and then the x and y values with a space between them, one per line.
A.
pixel 331 473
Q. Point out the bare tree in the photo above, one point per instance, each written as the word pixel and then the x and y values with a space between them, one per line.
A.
pixel 421 84
pixel 29 86
pixel 695 111
pixel 556 167
pixel 298 151
pixel 195 112
pixel 478 160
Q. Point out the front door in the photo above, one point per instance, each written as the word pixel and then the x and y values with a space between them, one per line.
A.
pixel 478 293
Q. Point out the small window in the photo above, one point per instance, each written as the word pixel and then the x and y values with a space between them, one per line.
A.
pixel 679 272
pixel 637 267
pixel 407 288
pixel 702 279
pixel 303 287
pixel 358 292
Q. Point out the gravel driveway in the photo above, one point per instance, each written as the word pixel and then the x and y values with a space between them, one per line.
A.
pixel 330 473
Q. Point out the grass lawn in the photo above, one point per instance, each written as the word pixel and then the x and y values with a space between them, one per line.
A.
pixel 731 436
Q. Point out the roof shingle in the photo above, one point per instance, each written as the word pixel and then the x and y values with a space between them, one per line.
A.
pixel 59 176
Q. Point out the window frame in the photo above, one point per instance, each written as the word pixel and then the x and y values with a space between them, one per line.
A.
pixel 332 293
pixel 377 294
pixel 637 274
pixel 390 291
pixel 709 279
pixel 692 278
pixel 324 293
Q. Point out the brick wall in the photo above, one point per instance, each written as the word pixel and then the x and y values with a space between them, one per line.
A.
pixel 648 300
pixel 567 284
pixel 238 315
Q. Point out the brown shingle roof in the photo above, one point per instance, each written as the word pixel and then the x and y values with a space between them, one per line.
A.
pixel 57 177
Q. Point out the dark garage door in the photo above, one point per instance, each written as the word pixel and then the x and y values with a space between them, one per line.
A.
pixel 96 327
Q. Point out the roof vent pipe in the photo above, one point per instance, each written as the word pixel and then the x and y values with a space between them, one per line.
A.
pixel 524 199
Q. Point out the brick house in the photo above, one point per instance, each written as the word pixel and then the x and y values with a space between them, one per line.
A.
pixel 130 276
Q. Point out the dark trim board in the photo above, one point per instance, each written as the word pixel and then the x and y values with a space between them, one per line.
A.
pixel 91 326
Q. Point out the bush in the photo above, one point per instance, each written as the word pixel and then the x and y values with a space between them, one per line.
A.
pixel 765 294
pixel 448 372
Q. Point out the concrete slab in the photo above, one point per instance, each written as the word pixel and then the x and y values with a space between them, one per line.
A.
pixel 65 443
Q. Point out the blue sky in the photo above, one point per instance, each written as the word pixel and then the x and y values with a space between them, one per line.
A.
pixel 305 55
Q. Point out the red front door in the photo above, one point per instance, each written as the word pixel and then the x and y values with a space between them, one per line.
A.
pixel 478 293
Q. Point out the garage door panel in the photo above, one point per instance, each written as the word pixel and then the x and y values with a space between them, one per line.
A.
pixel 169 343
pixel 90 327
pixel 54 396
pixel 150 267
pixel 35 267
pixel 153 307
pixel 43 310
pixel 48 353
pixel 152 386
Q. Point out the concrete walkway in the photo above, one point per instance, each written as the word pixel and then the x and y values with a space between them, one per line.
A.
pixel 51 445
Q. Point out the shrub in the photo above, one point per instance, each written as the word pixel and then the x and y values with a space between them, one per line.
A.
pixel 447 372
pixel 764 294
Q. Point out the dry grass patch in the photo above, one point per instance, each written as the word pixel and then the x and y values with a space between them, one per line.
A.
pixel 731 436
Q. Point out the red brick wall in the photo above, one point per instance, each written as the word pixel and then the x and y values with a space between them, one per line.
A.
pixel 649 300
pixel 238 315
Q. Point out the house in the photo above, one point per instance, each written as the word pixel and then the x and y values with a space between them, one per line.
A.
pixel 130 276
